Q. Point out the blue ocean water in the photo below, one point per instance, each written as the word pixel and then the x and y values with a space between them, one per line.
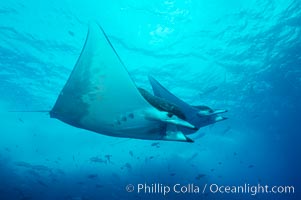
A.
pixel 243 56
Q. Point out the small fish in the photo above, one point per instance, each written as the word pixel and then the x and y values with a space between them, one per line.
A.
pixel 172 174
pixel 128 166
pixel 23 164
pixel 41 168
pixel 220 163
pixel 131 153
pixel 156 144
pixel 97 160
pixel 193 156
pixel 151 157
pixel 234 154
pixel 71 33
pixel 227 130
pixel 108 157
pixel 251 166
pixel 92 176
pixel 200 176
pixel 20 120
pixel 212 170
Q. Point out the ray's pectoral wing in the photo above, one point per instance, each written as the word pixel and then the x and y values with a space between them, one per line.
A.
pixel 100 96
pixel 99 88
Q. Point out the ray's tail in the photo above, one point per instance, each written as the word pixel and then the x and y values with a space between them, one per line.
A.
pixel 30 111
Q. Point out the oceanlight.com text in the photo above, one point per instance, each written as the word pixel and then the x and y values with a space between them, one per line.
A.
pixel 250 189
pixel 191 188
